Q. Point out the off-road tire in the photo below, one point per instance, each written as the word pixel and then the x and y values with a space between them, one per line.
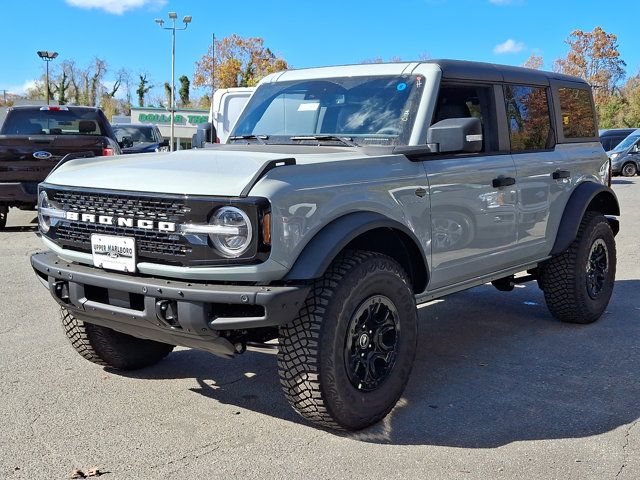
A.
pixel 108 348
pixel 311 357
pixel 4 213
pixel 629 169
pixel 564 278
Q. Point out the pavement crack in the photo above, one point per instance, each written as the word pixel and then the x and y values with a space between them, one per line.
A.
pixel 193 455
pixel 625 458
pixel 10 329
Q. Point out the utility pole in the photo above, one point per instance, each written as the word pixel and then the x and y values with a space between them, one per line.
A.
pixel 172 107
pixel 213 84
pixel 47 57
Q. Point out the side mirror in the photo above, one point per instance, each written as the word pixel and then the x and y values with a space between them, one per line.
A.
pixel 126 142
pixel 456 135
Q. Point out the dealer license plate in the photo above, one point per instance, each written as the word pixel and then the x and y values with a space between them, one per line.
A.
pixel 114 253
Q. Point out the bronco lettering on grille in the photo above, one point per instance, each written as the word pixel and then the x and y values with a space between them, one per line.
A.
pixel 124 222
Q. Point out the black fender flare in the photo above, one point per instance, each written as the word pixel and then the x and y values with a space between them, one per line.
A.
pixel 586 196
pixel 325 246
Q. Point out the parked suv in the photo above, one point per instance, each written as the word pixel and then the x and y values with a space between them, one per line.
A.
pixel 625 157
pixel 345 196
pixel 609 138
pixel 141 138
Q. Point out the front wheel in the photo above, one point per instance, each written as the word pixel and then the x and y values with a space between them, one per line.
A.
pixel 108 348
pixel 578 283
pixel 629 169
pixel 345 360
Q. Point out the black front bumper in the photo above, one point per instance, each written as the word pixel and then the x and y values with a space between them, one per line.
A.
pixel 195 315
pixel 19 193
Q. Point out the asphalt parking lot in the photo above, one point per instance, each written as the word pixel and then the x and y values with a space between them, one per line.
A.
pixel 500 390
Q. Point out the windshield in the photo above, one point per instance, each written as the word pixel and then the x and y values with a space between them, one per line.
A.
pixel 138 134
pixel 626 143
pixel 365 110
pixel 52 122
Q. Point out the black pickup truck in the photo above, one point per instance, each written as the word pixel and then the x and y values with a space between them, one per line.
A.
pixel 34 139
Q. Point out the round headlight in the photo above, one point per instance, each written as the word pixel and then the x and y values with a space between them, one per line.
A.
pixel 43 221
pixel 234 235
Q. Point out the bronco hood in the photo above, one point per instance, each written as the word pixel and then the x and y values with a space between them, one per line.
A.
pixel 216 171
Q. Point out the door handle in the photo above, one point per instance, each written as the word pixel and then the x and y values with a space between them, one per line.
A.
pixel 503 182
pixel 558 174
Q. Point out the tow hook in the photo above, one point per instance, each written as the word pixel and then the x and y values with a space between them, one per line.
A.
pixel 167 312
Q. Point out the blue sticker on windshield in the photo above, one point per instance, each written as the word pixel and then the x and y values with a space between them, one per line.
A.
pixel 401 86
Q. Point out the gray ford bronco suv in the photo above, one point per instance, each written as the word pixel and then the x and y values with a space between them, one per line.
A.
pixel 343 197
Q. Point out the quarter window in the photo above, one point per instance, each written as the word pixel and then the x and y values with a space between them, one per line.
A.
pixel 528 117
pixel 577 113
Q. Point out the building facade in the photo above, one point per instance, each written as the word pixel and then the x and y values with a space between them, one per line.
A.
pixel 186 121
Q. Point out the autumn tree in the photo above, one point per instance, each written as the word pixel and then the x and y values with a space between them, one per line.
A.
pixel 534 61
pixel 622 109
pixel 594 56
pixel 238 62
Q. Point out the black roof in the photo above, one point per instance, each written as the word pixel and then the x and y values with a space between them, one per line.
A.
pixel 491 72
pixel 616 131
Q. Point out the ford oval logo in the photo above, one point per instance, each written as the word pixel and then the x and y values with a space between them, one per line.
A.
pixel 42 155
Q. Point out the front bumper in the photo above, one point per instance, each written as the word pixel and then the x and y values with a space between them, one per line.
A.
pixel 194 315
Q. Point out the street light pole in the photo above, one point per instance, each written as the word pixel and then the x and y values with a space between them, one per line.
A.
pixel 47 57
pixel 172 99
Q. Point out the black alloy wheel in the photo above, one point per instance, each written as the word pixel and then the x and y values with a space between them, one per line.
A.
pixel 371 346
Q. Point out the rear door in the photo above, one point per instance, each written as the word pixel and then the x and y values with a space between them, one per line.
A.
pixel 542 177
pixel 473 196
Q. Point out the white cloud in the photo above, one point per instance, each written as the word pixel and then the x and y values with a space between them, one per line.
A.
pixel 117 7
pixel 510 46
pixel 19 89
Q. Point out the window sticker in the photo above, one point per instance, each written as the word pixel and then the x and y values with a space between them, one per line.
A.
pixel 308 107
pixel 401 86
pixel 418 82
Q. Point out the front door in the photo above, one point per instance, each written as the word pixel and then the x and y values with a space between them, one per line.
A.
pixel 473 196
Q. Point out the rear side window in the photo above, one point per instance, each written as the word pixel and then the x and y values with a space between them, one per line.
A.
pixel 576 107
pixel 528 117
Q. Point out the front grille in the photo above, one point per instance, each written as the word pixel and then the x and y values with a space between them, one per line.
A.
pixel 148 243
pixel 149 208
pixel 152 245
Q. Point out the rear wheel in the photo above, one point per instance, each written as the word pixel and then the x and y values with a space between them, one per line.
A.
pixel 109 348
pixel 578 283
pixel 629 169
pixel 345 360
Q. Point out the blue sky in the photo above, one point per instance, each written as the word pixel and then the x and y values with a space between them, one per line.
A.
pixel 304 33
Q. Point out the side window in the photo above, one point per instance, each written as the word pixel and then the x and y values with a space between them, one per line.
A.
pixel 528 118
pixel 577 113
pixel 470 101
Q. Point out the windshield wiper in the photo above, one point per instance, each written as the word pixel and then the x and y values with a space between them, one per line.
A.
pixel 345 140
pixel 260 138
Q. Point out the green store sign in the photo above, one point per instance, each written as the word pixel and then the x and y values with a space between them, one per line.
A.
pixel 163 118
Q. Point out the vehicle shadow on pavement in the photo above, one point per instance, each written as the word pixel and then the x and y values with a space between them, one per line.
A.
pixel 621 182
pixel 492 368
